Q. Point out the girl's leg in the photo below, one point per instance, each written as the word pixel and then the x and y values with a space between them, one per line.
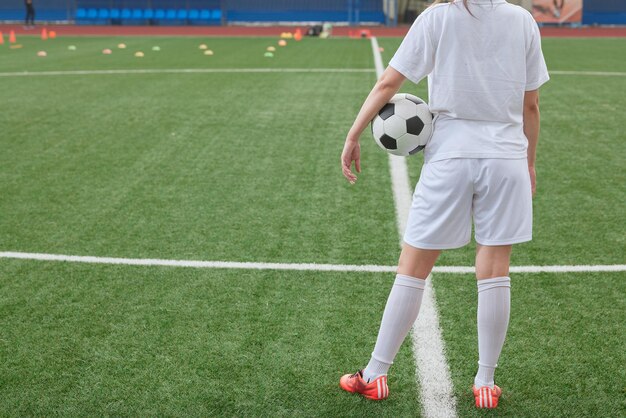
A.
pixel 402 308
pixel 494 305
pixel 492 261
pixel 416 262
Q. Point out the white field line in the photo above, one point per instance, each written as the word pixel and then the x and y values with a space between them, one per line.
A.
pixel 432 367
pixel 591 73
pixel 436 389
pixel 184 71
pixel 397 165
pixel 197 263
pixel 372 268
pixel 245 70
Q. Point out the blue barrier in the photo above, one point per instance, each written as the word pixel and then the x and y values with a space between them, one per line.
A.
pixel 592 18
pixel 45 10
pixel 286 16
pixel 202 11
pixel 604 12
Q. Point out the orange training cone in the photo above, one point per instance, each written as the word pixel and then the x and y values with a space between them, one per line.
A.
pixel 1 38
pixel 12 37
pixel 52 34
pixel 298 35
pixel 44 34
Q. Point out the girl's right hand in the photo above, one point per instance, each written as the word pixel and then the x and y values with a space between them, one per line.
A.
pixel 351 152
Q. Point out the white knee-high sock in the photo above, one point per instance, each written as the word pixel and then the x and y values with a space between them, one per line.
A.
pixel 494 306
pixel 401 310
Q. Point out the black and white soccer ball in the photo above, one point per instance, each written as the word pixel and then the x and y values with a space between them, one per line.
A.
pixel 403 126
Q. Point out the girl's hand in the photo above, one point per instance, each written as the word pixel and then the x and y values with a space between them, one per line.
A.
pixel 351 152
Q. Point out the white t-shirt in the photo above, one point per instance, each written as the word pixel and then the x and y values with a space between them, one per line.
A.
pixel 478 69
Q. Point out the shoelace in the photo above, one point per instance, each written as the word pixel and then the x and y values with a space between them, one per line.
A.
pixel 358 373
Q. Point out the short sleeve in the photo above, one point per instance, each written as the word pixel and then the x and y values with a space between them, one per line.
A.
pixel 536 70
pixel 415 58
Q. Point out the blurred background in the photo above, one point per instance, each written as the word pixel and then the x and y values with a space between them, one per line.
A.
pixel 266 12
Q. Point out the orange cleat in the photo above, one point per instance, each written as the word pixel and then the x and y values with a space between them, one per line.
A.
pixel 376 390
pixel 486 397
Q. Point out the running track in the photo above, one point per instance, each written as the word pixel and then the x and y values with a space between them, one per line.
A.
pixel 273 31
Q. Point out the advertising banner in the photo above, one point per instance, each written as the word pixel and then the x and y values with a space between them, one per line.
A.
pixel 558 11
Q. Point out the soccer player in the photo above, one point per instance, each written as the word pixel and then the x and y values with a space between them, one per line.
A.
pixel 484 65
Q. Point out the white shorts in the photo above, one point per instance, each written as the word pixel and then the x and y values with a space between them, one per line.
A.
pixel 496 193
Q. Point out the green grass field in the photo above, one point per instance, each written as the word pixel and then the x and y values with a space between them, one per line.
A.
pixel 244 166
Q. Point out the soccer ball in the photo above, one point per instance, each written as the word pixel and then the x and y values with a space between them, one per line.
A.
pixel 403 126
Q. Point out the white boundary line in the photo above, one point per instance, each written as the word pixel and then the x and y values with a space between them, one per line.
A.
pixel 246 70
pixel 196 263
pixel 185 71
pixel 436 390
pixel 371 268
pixel 593 73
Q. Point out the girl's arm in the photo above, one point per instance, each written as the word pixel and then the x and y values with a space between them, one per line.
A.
pixel 531 130
pixel 388 84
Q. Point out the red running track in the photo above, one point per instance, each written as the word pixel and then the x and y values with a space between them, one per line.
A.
pixel 86 30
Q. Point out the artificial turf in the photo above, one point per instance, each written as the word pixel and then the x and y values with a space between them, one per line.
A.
pixel 80 340
pixel 228 167
pixel 245 167
pixel 564 348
